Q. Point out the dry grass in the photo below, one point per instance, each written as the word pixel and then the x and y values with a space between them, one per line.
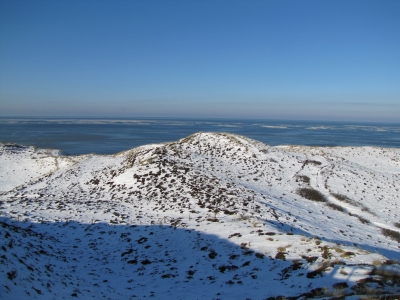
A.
pixel 281 249
pixel 376 262
pixel 281 255
pixel 338 250
pixel 242 217
pixel 347 254
pixel 323 266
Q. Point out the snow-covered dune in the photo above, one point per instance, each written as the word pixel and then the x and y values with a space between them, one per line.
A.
pixel 211 216
pixel 22 165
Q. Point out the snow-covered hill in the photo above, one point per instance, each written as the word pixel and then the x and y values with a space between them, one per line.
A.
pixel 211 216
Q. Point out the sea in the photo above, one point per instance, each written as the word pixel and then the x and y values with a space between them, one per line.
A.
pixel 108 136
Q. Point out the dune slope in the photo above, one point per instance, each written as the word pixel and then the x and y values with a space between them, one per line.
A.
pixel 211 216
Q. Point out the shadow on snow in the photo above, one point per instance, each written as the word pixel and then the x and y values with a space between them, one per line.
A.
pixel 71 259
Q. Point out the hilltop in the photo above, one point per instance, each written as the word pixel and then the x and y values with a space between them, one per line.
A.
pixel 210 216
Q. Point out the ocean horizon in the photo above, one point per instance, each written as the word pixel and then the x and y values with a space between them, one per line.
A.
pixel 112 135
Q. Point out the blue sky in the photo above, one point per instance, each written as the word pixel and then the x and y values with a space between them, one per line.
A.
pixel 316 60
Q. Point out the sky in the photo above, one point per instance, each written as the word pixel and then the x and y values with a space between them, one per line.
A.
pixel 294 60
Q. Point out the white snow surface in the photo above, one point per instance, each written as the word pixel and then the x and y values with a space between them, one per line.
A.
pixel 211 216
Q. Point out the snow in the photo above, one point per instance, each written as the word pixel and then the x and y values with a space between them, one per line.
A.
pixel 211 216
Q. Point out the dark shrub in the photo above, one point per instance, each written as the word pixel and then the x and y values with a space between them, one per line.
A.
pixel 311 194
pixel 12 275
pixel 343 198
pixel 335 207
pixel 313 162
pixel 394 235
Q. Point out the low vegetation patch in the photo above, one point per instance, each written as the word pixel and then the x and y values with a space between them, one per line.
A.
pixel 311 194
pixel 303 178
pixel 12 275
pixel 335 206
pixel 318 272
pixel 386 274
pixel 222 269
pixel 394 235
pixel 310 259
pixel 281 255
pixel 347 254
pixel 362 219
pixel 313 162
pixel 343 198
pixel 347 200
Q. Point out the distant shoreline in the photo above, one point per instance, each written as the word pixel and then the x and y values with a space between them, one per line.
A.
pixel 112 135
pixel 212 119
